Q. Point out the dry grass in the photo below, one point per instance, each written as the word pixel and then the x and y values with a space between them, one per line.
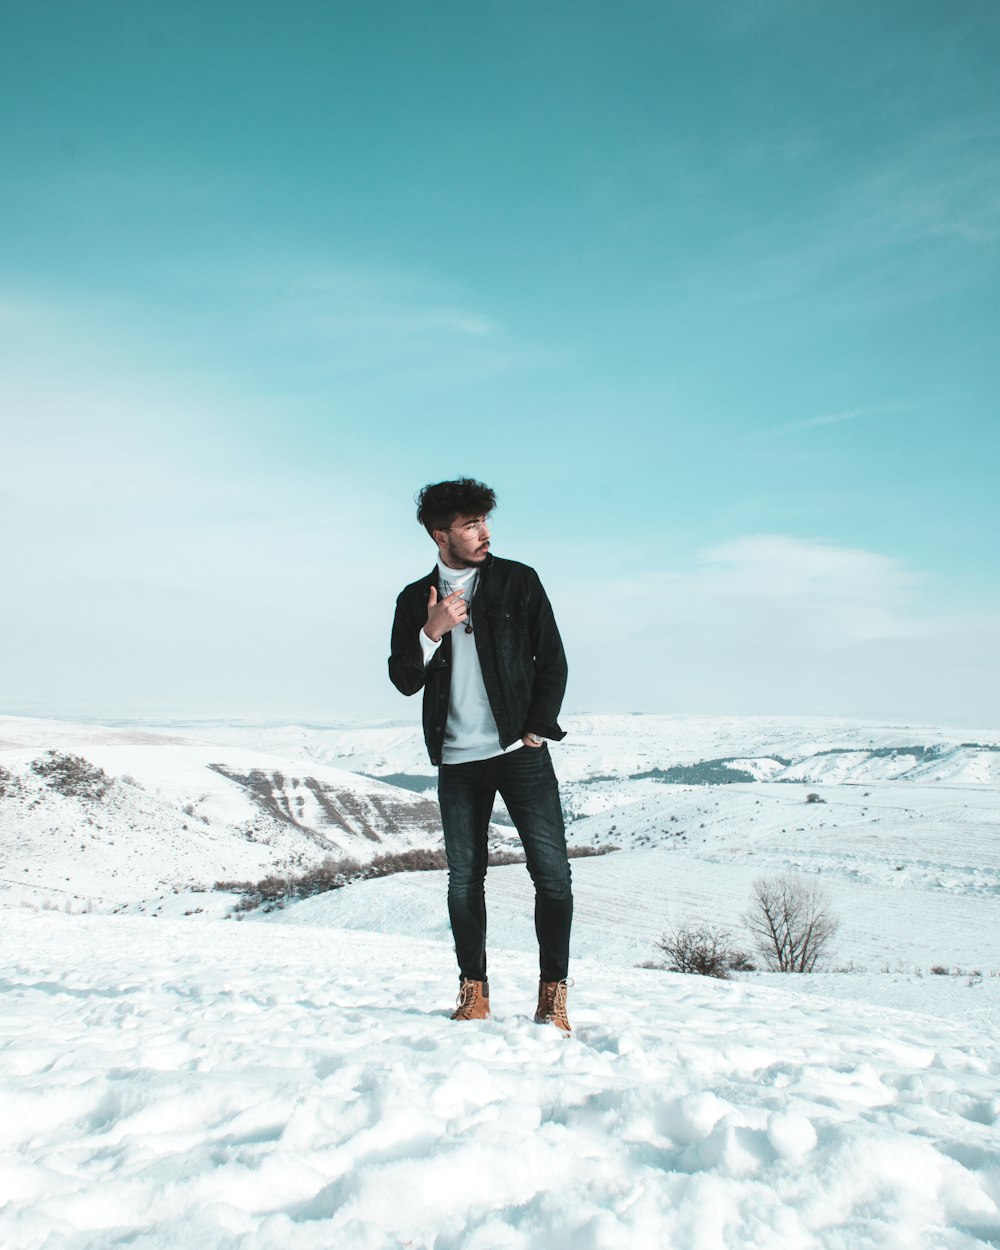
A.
pixel 331 874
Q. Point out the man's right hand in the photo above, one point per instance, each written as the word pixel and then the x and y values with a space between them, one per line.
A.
pixel 444 614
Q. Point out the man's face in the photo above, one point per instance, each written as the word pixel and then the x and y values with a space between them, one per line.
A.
pixel 465 543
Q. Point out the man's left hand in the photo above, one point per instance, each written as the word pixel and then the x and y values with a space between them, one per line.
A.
pixel 528 741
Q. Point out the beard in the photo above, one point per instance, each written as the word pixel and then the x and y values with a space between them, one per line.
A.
pixel 463 560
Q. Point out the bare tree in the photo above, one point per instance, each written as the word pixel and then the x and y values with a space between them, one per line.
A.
pixel 705 950
pixel 791 922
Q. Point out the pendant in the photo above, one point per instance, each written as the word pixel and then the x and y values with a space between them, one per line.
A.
pixel 468 629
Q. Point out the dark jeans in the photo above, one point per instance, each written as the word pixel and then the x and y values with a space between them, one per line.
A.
pixel 527 784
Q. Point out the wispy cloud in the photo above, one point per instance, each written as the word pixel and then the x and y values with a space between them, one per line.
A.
pixel 773 623
pixel 831 418
pixel 313 298
pixel 345 323
pixel 302 327
pixel 895 229
pixel 776 587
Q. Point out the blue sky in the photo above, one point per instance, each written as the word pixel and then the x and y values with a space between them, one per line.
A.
pixel 709 293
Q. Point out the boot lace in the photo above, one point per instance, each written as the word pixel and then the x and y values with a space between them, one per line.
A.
pixel 469 994
pixel 466 995
pixel 554 1000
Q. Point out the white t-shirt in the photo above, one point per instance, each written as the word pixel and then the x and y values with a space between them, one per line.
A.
pixel 471 731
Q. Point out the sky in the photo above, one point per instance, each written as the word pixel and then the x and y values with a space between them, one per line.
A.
pixel 707 293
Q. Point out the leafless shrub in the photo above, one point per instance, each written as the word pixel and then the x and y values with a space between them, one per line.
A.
pixel 331 874
pixel 273 888
pixel 233 887
pixel 498 859
pixel 813 797
pixel 72 775
pixel 704 950
pixel 421 859
pixel 791 922
pixel 939 970
pixel 584 852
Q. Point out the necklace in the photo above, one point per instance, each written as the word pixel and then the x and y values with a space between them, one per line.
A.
pixel 448 588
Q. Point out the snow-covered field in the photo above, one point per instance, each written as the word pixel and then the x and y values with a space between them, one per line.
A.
pixel 184 1083
pixel 180 1078
pixel 624 903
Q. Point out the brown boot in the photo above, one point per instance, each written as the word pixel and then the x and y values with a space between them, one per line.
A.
pixel 552 1005
pixel 473 1001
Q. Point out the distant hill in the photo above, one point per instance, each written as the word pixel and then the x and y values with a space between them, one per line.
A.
pixel 118 814
pixel 603 747
pixel 110 815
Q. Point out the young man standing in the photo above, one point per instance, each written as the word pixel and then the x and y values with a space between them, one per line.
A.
pixel 477 634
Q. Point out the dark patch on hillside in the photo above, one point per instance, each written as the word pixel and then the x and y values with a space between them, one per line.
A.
pixel 704 773
pixel 933 752
pixel 332 812
pixel 264 789
pixel 72 776
pixel 372 816
pixel 416 782
pixel 8 783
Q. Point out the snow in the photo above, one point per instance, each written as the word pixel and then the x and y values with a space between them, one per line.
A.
pixel 182 813
pixel 178 1077
pixel 889 947
pixel 227 1085
pixel 621 745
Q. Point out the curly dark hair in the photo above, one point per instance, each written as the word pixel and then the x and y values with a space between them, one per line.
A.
pixel 439 503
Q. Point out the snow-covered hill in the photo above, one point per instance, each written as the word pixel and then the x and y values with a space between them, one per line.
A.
pixel 892 808
pixel 804 749
pixel 612 764
pixel 100 816
pixel 183 812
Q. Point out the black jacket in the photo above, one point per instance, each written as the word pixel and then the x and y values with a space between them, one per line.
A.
pixel 520 653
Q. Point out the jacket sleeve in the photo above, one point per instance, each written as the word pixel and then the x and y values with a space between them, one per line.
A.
pixel 551 670
pixel 406 657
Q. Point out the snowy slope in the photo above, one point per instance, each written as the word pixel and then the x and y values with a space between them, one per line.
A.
pixel 895 836
pixel 609 764
pixel 249 1087
pixel 178 813
pixel 913 866
pixel 907 841
pixel 624 903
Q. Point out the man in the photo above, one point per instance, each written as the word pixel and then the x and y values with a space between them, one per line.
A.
pixel 477 634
